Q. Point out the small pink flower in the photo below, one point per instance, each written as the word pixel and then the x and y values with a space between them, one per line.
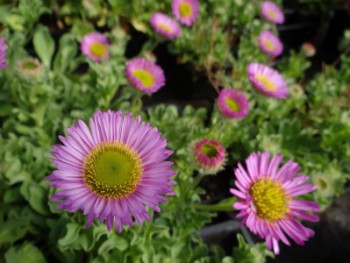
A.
pixel 186 11
pixel 165 25
pixel 95 46
pixel 233 104
pixel 3 48
pixel 270 44
pixel 308 49
pixel 267 80
pixel 272 13
pixel 267 200
pixel 145 75
pixel 209 155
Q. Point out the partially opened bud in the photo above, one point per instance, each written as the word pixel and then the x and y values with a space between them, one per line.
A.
pixel 209 156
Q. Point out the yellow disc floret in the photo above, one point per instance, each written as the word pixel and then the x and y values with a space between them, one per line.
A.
pixel 271 13
pixel 269 44
pixel 270 199
pixel 232 104
pixel 166 28
pixel 185 9
pixel 146 78
pixel 98 49
pixel 268 84
pixel 112 170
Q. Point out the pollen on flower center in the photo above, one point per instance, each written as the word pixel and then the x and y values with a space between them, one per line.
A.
pixel 145 77
pixel 166 27
pixel 98 49
pixel 112 170
pixel 268 84
pixel 232 104
pixel 185 9
pixel 269 44
pixel 271 13
pixel 269 199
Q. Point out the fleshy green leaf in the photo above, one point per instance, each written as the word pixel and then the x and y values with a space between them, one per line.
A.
pixel 44 45
pixel 27 253
pixel 113 242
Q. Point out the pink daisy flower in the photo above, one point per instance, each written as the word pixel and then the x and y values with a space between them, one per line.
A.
pixel 112 170
pixel 308 49
pixel 165 25
pixel 268 203
pixel 233 104
pixel 270 44
pixel 186 11
pixel 3 48
pixel 272 12
pixel 145 75
pixel 267 80
pixel 209 155
pixel 95 46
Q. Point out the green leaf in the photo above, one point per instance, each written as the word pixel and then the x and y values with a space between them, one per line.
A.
pixel 12 194
pixel 112 243
pixel 66 53
pixel 5 109
pixel 36 196
pixel 71 235
pixel 11 231
pixel 44 45
pixel 27 253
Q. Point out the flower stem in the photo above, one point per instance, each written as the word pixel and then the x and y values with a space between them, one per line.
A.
pixel 212 208
pixel 197 180
pixel 224 205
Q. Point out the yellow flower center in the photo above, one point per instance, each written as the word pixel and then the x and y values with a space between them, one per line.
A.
pixel 146 78
pixel 268 84
pixel 112 170
pixel 98 49
pixel 185 9
pixel 271 13
pixel 270 46
pixel 166 27
pixel 270 200
pixel 232 104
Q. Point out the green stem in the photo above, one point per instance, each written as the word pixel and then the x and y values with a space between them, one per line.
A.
pixel 224 205
pixel 213 208
pixel 197 180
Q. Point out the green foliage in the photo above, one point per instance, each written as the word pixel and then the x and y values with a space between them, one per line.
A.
pixel 246 253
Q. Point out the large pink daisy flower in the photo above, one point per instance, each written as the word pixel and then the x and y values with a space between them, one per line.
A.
pixel 267 80
pixel 112 170
pixel 165 25
pixel 233 104
pixel 3 48
pixel 272 13
pixel 186 11
pixel 145 75
pixel 270 44
pixel 268 203
pixel 95 46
